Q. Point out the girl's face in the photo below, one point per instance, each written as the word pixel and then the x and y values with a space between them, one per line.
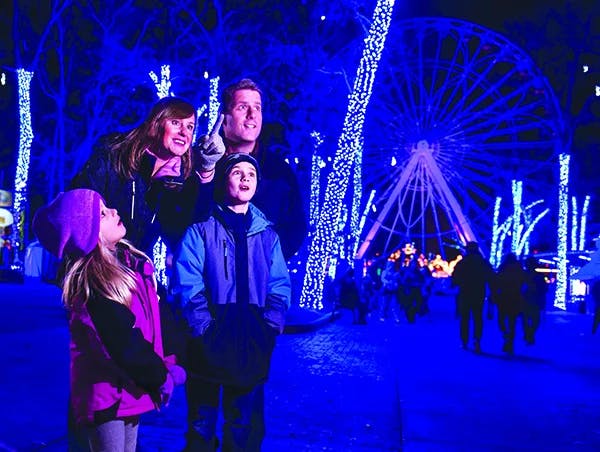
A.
pixel 241 184
pixel 178 135
pixel 111 228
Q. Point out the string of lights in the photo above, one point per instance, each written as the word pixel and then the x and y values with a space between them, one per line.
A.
pixel 159 250
pixel 213 103
pixel 523 248
pixel 583 223
pixel 517 196
pixel 574 223
pixel 163 86
pixel 495 249
pixel 563 212
pixel 24 78
pixel 315 178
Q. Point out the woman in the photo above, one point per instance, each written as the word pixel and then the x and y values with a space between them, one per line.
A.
pixel 140 171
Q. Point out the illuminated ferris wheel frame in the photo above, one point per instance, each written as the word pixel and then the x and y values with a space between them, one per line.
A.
pixel 457 113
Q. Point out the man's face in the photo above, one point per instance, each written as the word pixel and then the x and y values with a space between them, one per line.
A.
pixel 243 122
pixel 241 184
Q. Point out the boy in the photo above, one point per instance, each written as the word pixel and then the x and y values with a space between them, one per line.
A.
pixel 235 290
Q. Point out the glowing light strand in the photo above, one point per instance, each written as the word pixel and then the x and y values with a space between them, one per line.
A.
pixel 363 219
pixel 504 229
pixel 583 223
pixel 494 249
pixel 24 78
pixel 315 178
pixel 355 214
pixel 574 223
pixel 349 142
pixel 213 103
pixel 163 86
pixel 159 250
pixel 159 257
pixel 523 248
pixel 563 212
pixel 517 194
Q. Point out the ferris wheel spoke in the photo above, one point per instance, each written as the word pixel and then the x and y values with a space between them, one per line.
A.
pixel 436 100
pixel 479 102
pixel 502 109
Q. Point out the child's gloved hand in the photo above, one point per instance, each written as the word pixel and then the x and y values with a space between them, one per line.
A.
pixel 166 390
pixel 176 376
pixel 177 373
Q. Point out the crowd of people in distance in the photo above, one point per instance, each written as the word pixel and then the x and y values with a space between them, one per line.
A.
pixel 402 284
pixel 399 289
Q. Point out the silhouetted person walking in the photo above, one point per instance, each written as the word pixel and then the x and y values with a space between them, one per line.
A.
pixel 473 275
pixel 534 292
pixel 595 291
pixel 511 278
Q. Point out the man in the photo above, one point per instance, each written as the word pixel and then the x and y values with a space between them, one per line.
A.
pixel 472 275
pixel 278 195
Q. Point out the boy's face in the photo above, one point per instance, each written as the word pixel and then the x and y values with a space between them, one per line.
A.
pixel 240 184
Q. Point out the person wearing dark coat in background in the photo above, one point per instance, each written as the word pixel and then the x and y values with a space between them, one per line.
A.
pixel 389 293
pixel 595 292
pixel 349 297
pixel 474 276
pixel 509 296
pixel 278 195
pixel 410 285
pixel 534 292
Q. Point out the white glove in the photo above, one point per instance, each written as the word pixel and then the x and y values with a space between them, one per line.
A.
pixel 210 149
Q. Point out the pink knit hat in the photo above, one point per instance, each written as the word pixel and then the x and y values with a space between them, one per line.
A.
pixel 70 224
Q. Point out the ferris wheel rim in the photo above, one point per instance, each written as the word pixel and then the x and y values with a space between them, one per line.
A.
pixel 550 124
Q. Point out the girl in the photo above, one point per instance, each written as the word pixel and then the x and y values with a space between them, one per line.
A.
pixel 118 367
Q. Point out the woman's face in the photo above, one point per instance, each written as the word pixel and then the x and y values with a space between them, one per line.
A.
pixel 178 135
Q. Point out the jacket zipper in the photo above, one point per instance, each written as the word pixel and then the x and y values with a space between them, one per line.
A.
pixel 132 198
pixel 225 258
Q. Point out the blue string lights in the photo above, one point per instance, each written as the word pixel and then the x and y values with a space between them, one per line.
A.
pixel 520 225
pixel 583 223
pixel 159 250
pixel 315 178
pixel 563 212
pixel 496 249
pixel 213 103
pixel 22 171
pixel 163 86
pixel 321 248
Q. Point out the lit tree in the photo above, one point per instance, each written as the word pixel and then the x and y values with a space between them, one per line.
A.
pixel 348 145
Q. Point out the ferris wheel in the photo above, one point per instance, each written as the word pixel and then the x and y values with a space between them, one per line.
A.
pixel 457 112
